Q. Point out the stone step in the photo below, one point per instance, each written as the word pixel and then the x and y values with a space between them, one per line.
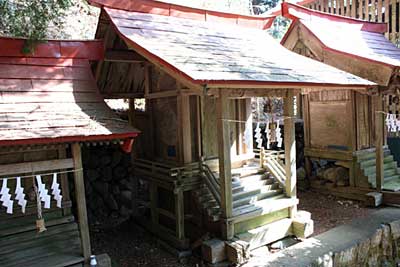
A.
pixel 372 162
pixel 386 166
pixel 266 234
pixel 386 173
pixel 371 155
pixel 254 191
pixel 258 197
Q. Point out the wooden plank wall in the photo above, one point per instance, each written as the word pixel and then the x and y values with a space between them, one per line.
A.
pixel 372 10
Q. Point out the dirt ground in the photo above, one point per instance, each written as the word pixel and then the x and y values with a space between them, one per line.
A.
pixel 129 245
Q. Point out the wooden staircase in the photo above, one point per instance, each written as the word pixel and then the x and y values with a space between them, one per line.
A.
pixel 366 168
pixel 251 186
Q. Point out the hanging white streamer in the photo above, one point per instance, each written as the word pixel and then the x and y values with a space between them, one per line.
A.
pixel 268 134
pixel 279 138
pixel 56 192
pixel 258 136
pixel 43 192
pixel 20 196
pixel 6 197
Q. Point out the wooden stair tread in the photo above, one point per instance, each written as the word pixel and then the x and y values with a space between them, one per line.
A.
pixel 262 207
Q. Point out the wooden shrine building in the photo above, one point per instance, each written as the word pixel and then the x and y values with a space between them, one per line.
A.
pixel 49 106
pixel 360 48
pixel 197 70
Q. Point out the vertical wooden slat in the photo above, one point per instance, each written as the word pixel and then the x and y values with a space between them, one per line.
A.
pixel 361 9
pixel 224 148
pixel 338 7
pixel 394 15
pixel 179 215
pixel 290 148
pixel 341 7
pixel 347 8
pixel 386 3
pixel 353 8
pixel 373 10
pixel 81 201
pixel 379 128
pixel 184 126
pixel 379 11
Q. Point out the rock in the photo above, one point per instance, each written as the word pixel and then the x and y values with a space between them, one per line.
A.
pixel 101 188
pixel 111 202
pixel 126 197
pixel 115 190
pixel 301 173
pixel 92 175
pixel 105 160
pixel 116 158
pixel 125 184
pixel 119 172
pixel 125 212
pixel 107 174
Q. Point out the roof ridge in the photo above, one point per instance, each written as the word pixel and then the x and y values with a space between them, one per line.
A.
pixel 180 11
pixel 294 11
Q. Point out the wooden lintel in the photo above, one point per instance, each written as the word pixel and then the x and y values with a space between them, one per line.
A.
pixel 35 167
pixel 162 94
pixel 122 95
pixel 127 56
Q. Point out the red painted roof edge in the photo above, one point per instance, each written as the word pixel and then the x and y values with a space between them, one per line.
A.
pixel 85 49
pixel 148 54
pixel 277 11
pixel 327 48
pixel 67 139
pixel 366 26
pixel 180 11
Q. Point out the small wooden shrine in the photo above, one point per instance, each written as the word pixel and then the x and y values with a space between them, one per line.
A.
pixel 49 106
pixel 197 71
pixel 346 126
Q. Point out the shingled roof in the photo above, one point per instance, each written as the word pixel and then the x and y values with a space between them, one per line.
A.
pixel 353 37
pixel 51 95
pixel 211 48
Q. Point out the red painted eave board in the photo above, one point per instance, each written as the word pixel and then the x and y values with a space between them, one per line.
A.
pixel 68 139
pixel 179 11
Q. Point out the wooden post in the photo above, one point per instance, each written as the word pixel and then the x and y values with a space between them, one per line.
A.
pixel 184 127
pixel 379 128
pixel 180 214
pixel 224 162
pixel 262 157
pixel 62 154
pixel 81 201
pixel 290 149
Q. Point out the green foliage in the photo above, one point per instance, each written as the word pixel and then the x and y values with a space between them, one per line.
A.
pixel 30 18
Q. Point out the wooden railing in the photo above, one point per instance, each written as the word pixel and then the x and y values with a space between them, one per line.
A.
pixel 211 182
pixel 273 161
pixel 372 10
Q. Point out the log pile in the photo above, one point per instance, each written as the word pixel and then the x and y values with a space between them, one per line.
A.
pixel 108 184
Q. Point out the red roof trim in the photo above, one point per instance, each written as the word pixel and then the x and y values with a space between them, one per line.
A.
pixel 67 139
pixel 179 11
pixel 149 55
pixel 327 48
pixel 305 13
pixel 91 50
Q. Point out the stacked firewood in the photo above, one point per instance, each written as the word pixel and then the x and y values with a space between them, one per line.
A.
pixel 108 184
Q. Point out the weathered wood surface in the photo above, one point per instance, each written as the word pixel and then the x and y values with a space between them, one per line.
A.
pixel 35 167
pixel 81 202
pixel 220 52
pixel 52 96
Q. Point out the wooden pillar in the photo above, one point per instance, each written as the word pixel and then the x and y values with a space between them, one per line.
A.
pixel 62 154
pixel 224 149
pixel 184 128
pixel 290 149
pixel 81 201
pixel 180 215
pixel 379 128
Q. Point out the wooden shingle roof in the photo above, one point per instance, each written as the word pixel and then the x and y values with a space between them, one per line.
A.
pixel 51 96
pixel 356 38
pixel 214 52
